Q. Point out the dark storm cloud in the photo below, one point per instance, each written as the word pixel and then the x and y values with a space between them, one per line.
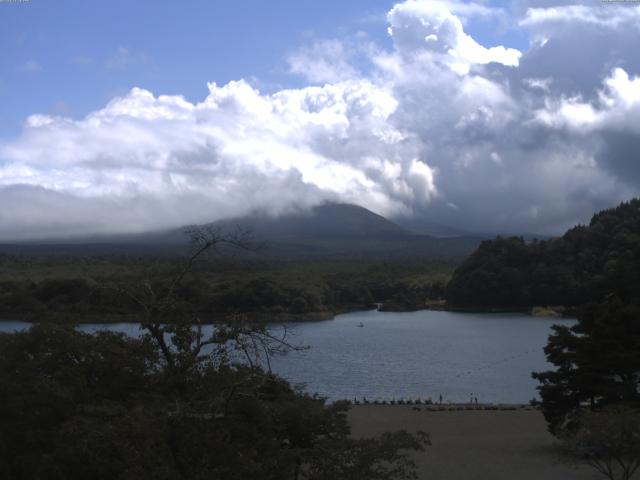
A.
pixel 620 154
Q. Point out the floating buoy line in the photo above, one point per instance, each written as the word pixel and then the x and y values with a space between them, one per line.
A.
pixel 496 363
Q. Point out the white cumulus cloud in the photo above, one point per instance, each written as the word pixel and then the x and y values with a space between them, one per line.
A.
pixel 235 151
pixel 617 107
pixel 438 126
pixel 420 26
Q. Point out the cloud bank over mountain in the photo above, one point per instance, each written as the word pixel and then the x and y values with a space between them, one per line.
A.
pixel 439 126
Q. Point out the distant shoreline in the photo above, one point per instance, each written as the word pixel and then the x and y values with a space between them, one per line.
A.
pixel 206 319
pixel 558 311
pixel 281 317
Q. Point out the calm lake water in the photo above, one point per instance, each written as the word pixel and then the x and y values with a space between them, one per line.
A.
pixel 409 355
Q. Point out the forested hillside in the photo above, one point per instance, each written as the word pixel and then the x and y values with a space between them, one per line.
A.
pixel 585 264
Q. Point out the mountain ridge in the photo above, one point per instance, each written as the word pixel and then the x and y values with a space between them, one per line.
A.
pixel 329 229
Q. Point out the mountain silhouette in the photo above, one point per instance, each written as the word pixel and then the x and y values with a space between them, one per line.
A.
pixel 327 230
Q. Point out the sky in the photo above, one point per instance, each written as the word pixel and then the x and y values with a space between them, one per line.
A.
pixel 507 116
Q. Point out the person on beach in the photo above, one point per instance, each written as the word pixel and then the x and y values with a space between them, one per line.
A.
pixel 440 400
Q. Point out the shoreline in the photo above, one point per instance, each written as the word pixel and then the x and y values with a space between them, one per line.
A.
pixel 557 311
pixel 445 407
pixel 209 319
pixel 269 317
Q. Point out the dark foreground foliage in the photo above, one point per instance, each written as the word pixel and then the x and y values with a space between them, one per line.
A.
pixel 175 403
pixel 608 440
pixel 597 360
pixel 106 406
pixel 597 364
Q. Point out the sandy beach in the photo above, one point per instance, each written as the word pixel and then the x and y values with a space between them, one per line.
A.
pixel 474 444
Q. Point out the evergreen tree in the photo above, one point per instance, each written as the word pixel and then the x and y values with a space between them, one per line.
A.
pixel 597 363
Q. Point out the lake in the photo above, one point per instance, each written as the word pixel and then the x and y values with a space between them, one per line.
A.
pixel 409 355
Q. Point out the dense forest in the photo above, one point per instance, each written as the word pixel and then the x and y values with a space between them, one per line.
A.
pixel 90 288
pixel 595 270
pixel 175 403
pixel 585 264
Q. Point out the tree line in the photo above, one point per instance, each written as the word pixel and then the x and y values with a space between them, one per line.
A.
pixel 175 404
pixel 583 265
pixel 216 288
